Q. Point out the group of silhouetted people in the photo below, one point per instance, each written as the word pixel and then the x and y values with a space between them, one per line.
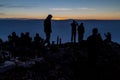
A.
pixel 80 29
pixel 75 28
pixel 24 42
pixel 74 24
pixel 23 45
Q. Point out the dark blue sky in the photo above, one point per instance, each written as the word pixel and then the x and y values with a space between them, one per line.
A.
pixel 60 9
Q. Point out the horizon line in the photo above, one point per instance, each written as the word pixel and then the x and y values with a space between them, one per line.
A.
pixel 53 19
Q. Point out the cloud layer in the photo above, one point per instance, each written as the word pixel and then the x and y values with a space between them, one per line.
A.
pixel 60 9
pixel 14 6
pixel 69 9
pixel 84 8
pixel 2 14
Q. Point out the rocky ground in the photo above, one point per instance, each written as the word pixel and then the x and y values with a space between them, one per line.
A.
pixel 68 61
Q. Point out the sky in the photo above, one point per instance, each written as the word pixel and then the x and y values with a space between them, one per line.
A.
pixel 60 9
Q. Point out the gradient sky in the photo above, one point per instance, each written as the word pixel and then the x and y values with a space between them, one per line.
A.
pixel 60 9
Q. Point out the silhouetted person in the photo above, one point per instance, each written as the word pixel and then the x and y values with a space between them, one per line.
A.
pixel 9 43
pixel 22 40
pixel 37 41
pixel 108 37
pixel 94 43
pixel 81 32
pixel 47 29
pixel 28 39
pixel 14 42
pixel 73 31
pixel 14 38
pixel 9 38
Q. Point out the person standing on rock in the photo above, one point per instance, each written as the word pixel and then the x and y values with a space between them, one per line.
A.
pixel 81 32
pixel 47 29
pixel 73 31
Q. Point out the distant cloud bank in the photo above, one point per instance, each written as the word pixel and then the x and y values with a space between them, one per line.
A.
pixel 61 9
pixel 69 9
pixel 14 6
pixel 84 8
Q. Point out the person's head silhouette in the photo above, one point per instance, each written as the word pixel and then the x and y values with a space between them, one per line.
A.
pixel 49 16
pixel 95 31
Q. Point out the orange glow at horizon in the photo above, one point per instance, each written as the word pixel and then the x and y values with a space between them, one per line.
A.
pixel 59 18
pixel 84 17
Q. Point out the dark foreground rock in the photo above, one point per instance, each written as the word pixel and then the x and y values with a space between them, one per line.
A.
pixel 68 61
